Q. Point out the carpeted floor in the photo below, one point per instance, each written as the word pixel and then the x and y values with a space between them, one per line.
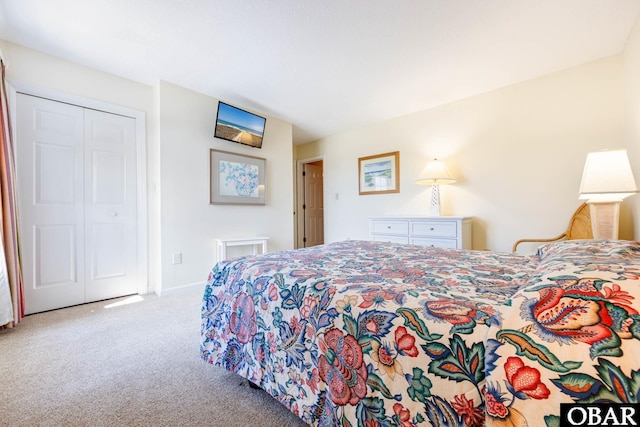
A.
pixel 133 364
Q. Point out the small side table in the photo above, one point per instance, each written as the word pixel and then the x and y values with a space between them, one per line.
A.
pixel 254 242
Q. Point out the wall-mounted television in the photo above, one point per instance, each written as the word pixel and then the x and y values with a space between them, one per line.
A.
pixel 237 125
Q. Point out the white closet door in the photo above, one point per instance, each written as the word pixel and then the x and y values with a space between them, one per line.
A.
pixel 77 191
pixel 111 268
pixel 50 187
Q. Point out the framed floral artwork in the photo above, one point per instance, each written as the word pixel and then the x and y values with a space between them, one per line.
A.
pixel 237 179
pixel 379 174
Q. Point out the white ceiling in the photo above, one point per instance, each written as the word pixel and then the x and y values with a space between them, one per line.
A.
pixel 325 65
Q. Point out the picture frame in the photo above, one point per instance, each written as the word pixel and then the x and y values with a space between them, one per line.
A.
pixel 237 179
pixel 379 174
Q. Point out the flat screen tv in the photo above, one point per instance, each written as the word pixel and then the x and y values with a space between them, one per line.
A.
pixel 234 124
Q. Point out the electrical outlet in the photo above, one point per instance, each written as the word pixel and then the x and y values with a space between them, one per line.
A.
pixel 177 257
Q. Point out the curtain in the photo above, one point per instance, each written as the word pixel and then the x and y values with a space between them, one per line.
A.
pixel 11 287
pixel 6 305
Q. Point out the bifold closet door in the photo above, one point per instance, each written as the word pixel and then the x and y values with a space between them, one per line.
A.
pixel 77 193
pixel 111 249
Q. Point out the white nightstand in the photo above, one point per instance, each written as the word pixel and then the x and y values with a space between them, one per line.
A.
pixel 439 231
pixel 255 242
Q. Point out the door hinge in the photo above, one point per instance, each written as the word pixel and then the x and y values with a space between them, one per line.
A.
pixel 304 206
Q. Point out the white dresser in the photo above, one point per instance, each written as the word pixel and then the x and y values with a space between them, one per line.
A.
pixel 439 231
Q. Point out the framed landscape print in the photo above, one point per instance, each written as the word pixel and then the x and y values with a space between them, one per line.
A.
pixel 379 174
pixel 237 179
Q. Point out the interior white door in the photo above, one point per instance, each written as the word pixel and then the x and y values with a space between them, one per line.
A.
pixel 111 267
pixel 50 185
pixel 77 213
pixel 313 204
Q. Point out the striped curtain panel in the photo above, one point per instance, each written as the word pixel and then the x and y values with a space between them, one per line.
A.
pixel 11 290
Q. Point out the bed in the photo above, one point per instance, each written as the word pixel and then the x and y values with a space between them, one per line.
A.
pixel 360 333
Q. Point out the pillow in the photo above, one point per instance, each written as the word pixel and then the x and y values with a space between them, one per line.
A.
pixel 590 251
pixel 605 259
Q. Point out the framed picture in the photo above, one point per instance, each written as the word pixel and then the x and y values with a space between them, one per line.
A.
pixel 379 174
pixel 237 179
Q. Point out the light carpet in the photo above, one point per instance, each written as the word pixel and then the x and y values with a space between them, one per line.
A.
pixel 136 364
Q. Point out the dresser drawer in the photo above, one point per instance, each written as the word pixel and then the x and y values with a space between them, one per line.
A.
pixel 389 227
pixel 435 229
pixel 436 243
pixel 391 239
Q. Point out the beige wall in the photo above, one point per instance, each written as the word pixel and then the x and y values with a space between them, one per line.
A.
pixel 30 67
pixel 179 130
pixel 632 92
pixel 189 224
pixel 517 153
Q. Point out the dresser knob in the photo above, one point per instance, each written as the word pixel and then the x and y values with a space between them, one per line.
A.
pixel 389 227
pixel 431 228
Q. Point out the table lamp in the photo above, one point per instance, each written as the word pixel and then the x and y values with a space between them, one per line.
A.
pixel 606 180
pixel 434 174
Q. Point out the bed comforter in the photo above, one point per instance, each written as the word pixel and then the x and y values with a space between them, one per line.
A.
pixel 378 334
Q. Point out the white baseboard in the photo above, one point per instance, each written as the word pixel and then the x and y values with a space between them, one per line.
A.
pixel 180 289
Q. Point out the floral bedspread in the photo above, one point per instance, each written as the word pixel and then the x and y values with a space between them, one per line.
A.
pixel 378 334
pixel 571 335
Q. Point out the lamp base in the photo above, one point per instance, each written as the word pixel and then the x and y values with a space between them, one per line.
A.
pixel 434 206
pixel 604 219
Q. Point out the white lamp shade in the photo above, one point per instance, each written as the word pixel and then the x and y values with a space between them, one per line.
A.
pixel 607 176
pixel 435 173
